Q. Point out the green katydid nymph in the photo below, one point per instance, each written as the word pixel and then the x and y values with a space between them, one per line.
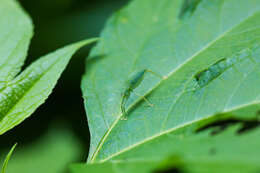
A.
pixel 133 82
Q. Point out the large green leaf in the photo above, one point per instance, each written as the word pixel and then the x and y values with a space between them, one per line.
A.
pixel 208 55
pixel 228 151
pixel 223 143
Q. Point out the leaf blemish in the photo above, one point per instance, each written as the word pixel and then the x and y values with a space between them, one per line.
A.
pixel 221 125
pixel 173 164
pixel 212 151
pixel 205 76
pixel 169 170
pixel 188 7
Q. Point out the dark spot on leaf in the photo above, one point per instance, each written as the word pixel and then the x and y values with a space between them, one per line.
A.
pixel 212 151
pixel 173 164
pixel 218 126
pixel 258 113
pixel 249 125
pixel 169 170
pixel 221 125
pixel 188 6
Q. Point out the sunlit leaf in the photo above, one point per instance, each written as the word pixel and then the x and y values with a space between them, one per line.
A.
pixel 208 55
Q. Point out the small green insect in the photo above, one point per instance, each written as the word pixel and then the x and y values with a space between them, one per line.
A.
pixel 132 83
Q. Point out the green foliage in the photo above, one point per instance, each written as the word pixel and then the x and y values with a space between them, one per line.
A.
pixel 227 151
pixel 21 94
pixel 7 159
pixel 15 34
pixel 52 152
pixel 203 111
pixel 209 58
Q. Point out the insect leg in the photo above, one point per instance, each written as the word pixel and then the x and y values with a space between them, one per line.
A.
pixel 145 99
pixel 125 97
pixel 155 74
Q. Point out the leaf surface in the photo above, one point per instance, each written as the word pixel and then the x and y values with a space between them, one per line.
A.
pixel 208 56
pixel 226 151
pixel 15 34
pixel 21 96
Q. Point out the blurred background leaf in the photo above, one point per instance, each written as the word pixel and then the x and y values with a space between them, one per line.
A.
pixel 49 153
pixel 57 133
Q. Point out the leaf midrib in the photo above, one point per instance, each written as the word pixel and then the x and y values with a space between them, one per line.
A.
pixel 25 93
pixel 175 128
pixel 157 85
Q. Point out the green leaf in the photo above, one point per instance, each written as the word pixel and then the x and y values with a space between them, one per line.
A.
pixel 227 151
pixel 21 96
pixel 7 159
pixel 51 151
pixel 208 56
pixel 15 34
pixel 115 167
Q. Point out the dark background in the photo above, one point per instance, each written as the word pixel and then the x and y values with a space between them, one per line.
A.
pixel 57 23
